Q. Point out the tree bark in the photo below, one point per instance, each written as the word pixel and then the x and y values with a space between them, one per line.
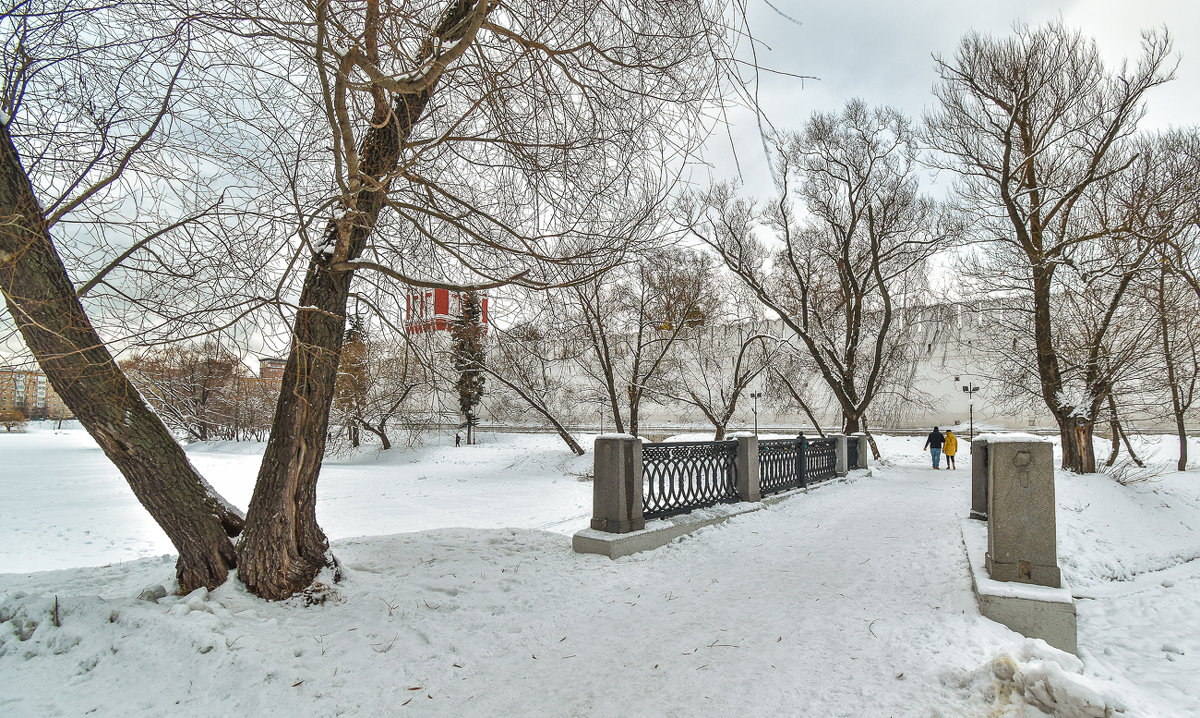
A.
pixel 1116 437
pixel 56 329
pixel 1079 454
pixel 1181 431
pixel 283 548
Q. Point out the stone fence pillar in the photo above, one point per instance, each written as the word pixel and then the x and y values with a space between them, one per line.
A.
pixel 617 486
pixel 864 452
pixel 748 468
pixel 1022 544
pixel 979 478
pixel 842 466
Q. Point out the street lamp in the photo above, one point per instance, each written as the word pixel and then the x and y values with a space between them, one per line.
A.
pixel 969 390
pixel 755 396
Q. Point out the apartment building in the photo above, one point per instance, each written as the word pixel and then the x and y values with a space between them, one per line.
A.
pixel 27 391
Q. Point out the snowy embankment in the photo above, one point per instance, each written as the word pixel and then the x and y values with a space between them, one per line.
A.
pixel 850 600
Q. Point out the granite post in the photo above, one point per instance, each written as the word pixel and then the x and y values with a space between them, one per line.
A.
pixel 979 478
pixel 617 486
pixel 864 452
pixel 748 468
pixel 842 465
pixel 1022 545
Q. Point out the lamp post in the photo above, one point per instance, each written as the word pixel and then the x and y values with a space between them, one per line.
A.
pixel 969 390
pixel 755 395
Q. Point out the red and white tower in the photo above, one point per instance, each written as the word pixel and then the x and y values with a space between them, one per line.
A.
pixel 434 310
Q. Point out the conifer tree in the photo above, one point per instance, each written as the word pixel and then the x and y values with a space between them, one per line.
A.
pixel 467 332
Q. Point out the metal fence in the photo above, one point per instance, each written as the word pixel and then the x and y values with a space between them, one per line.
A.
pixel 851 451
pixel 820 460
pixel 682 476
pixel 780 465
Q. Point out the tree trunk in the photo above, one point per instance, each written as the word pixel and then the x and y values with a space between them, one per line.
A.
pixel 1169 360
pixel 1116 440
pixel 870 440
pixel 1078 450
pixel 42 303
pixel 1181 430
pixel 283 548
pixel 381 431
pixel 1129 447
pixel 850 423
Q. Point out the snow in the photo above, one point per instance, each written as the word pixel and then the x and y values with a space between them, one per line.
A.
pixel 1013 437
pixel 462 597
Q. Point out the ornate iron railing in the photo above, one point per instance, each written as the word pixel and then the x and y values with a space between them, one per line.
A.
pixel 779 464
pixel 820 460
pixel 682 476
pixel 851 452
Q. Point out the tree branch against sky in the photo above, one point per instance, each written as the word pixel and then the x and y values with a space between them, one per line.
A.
pixel 854 255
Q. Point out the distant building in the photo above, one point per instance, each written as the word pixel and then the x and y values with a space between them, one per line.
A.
pixel 271 368
pixel 28 392
pixel 435 310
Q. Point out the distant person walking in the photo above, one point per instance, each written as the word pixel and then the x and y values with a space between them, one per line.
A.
pixel 950 448
pixel 458 440
pixel 934 444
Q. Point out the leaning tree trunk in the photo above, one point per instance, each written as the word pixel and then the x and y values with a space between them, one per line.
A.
pixel 42 302
pixel 381 431
pixel 1115 428
pixel 283 548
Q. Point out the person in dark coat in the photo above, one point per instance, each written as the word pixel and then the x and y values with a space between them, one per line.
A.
pixel 934 444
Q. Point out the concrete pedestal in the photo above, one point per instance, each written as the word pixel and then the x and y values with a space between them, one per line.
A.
pixel 748 485
pixel 1031 610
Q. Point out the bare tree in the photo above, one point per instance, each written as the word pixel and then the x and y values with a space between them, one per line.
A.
pixel 377 378
pixel 1167 192
pixel 474 144
pixel 72 106
pixel 531 366
pixel 13 418
pixel 194 388
pixel 1037 127
pixel 630 319
pixel 713 364
pixel 520 143
pixel 852 262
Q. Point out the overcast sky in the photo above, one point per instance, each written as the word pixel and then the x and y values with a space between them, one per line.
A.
pixel 881 50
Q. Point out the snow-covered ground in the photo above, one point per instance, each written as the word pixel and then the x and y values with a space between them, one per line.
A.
pixel 463 598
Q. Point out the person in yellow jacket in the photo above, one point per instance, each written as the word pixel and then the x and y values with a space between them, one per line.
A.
pixel 950 448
